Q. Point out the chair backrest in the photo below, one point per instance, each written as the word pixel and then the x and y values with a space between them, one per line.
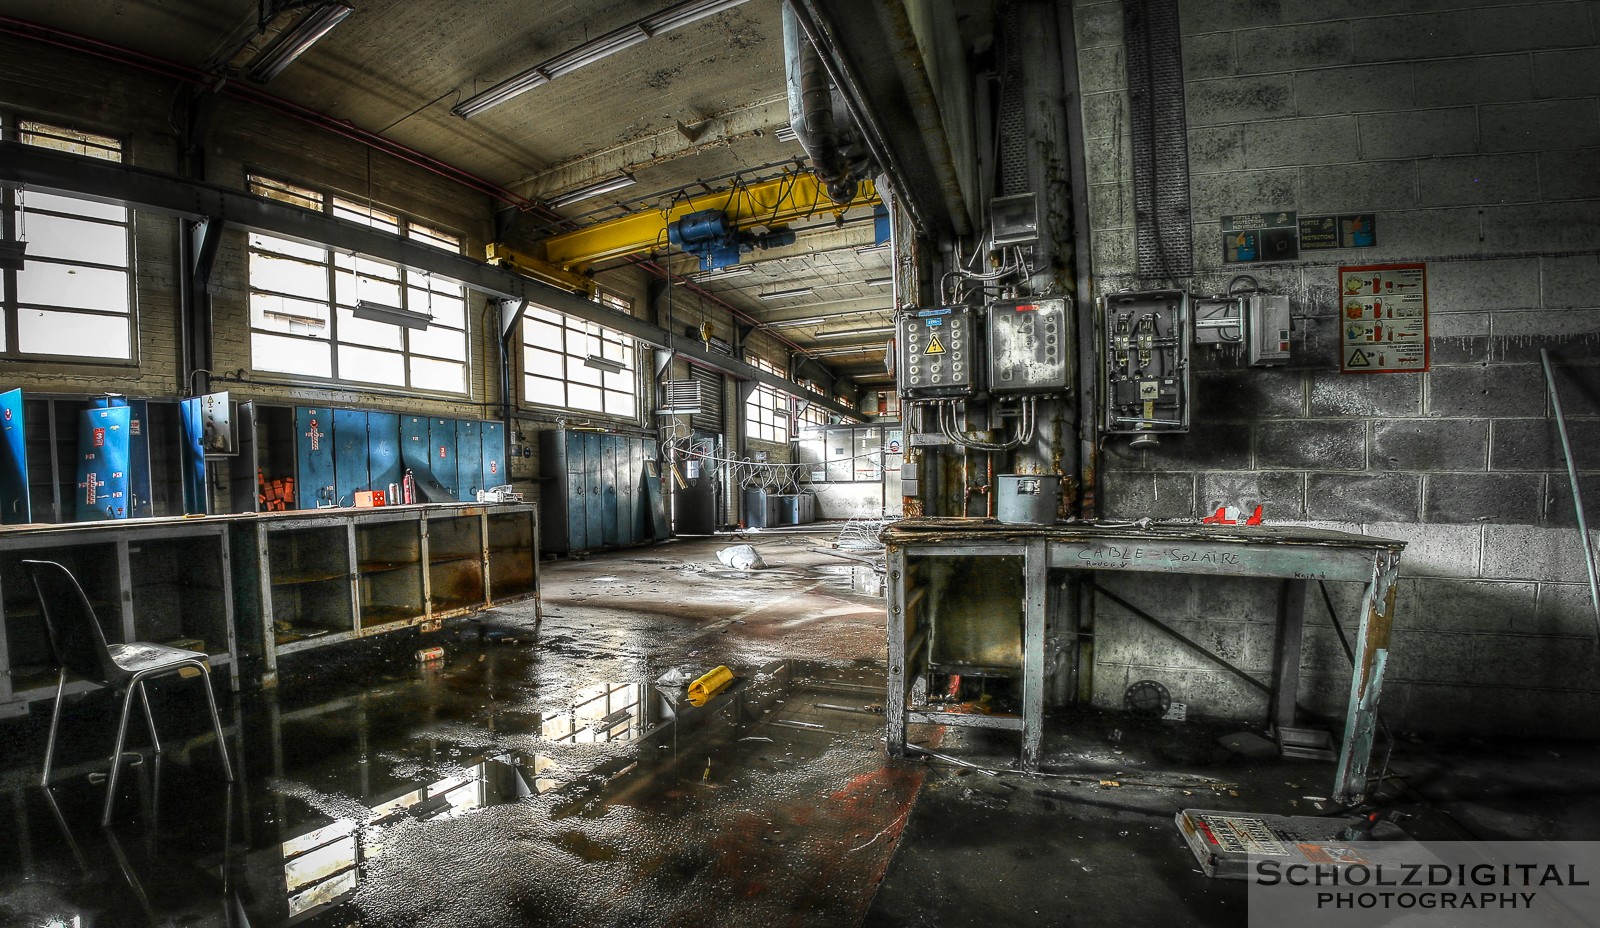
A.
pixel 75 634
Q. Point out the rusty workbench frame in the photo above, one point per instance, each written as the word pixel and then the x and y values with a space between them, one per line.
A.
pixel 1294 555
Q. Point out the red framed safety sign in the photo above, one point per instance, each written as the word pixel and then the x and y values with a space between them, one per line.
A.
pixel 1383 318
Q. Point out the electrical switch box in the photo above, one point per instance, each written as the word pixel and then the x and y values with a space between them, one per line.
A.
pixel 1028 347
pixel 1218 320
pixel 1146 364
pixel 936 350
pixel 1268 316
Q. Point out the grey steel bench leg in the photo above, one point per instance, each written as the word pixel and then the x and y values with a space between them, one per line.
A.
pixel 55 724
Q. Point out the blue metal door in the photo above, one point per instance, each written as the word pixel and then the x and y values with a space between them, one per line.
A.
pixel 469 458
pixel 577 493
pixel 383 454
pixel 313 456
pixel 103 464
pixel 494 455
pixel 350 455
pixel 15 508
pixel 594 500
pixel 627 448
pixel 608 488
pixel 192 464
pixel 141 504
pixel 442 453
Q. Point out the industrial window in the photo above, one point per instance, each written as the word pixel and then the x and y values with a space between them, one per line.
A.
pixel 767 411
pixel 575 364
pixel 73 296
pixel 814 416
pixel 303 301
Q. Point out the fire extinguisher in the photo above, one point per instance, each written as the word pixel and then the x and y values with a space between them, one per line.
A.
pixel 408 487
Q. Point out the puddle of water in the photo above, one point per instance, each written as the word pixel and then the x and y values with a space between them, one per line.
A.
pixel 864 579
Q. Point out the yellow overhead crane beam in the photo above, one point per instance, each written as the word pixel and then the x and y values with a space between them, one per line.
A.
pixel 561 260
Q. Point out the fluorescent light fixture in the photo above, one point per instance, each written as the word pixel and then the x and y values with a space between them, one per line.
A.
pixel 857 333
pixel 13 255
pixel 392 315
pixel 879 281
pixel 609 185
pixel 786 294
pixel 785 323
pixel 293 41
pixel 604 365
pixel 681 14
pixel 871 249
pixel 722 273
pixel 785 134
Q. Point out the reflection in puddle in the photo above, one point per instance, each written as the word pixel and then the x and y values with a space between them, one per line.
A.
pixel 865 579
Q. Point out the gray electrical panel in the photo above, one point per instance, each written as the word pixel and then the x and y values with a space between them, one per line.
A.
pixel 1269 329
pixel 1146 363
pixel 936 349
pixel 1028 347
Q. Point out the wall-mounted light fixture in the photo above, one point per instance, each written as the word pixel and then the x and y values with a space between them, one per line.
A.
pixel 293 41
pixel 879 281
pixel 786 294
pixel 392 315
pixel 604 365
pixel 609 185
pixel 857 333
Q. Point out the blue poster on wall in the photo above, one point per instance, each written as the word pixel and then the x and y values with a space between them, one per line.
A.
pixel 103 444
pixel 14 503
pixel 193 461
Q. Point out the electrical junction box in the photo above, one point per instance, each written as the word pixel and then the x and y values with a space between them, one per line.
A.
pixel 1028 347
pixel 1268 316
pixel 1145 373
pixel 1218 320
pixel 936 349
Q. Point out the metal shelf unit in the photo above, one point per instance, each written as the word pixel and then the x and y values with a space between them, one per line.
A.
pixel 320 577
pixel 162 580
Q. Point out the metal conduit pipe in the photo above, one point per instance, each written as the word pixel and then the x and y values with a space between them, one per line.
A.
pixel 811 110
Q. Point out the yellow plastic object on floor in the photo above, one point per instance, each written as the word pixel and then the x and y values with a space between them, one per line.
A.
pixel 710 685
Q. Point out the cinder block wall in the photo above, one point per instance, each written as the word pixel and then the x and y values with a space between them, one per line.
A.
pixel 1472 130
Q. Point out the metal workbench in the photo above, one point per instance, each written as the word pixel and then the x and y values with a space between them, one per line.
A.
pixel 991 584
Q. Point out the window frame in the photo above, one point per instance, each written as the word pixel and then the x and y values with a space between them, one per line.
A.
pixel 113 148
pixel 781 407
pixel 336 264
pixel 570 327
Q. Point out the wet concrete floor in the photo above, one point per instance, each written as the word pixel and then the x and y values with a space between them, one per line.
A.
pixel 539 775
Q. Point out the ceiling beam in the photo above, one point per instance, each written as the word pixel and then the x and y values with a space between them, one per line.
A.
pixel 41 169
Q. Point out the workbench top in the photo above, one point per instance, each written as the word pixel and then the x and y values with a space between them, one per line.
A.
pixel 958 530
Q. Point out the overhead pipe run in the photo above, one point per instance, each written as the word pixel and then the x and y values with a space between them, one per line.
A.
pixel 836 147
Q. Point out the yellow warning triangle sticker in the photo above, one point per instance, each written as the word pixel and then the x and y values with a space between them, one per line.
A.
pixel 934 345
pixel 1359 358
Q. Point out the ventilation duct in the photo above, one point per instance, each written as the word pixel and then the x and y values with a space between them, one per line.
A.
pixel 819 118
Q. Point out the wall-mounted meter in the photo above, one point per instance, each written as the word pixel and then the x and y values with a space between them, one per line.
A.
pixel 936 349
pixel 1146 363
pixel 1028 351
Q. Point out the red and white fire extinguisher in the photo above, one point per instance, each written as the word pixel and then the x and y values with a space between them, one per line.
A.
pixel 408 487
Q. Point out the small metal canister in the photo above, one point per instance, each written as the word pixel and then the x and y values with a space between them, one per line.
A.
pixel 1031 499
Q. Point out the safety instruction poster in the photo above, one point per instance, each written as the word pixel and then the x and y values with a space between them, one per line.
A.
pixel 1383 319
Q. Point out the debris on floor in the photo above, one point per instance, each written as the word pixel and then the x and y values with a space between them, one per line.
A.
pixel 741 557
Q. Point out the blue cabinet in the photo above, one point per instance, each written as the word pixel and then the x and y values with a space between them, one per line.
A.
pixel 350 455
pixel 15 508
pixel 594 492
pixel 103 449
pixel 314 480
pixel 494 455
pixel 442 454
pixel 383 453
pixel 469 459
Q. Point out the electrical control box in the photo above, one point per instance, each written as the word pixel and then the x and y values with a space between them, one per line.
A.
pixel 936 349
pixel 1268 316
pixel 1028 350
pixel 1218 320
pixel 1146 363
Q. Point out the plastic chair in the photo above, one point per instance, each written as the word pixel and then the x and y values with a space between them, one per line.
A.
pixel 80 646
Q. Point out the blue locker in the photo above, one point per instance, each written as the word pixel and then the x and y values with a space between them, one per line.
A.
pixel 608 487
pixel 442 454
pixel 383 453
pixel 349 455
pixel 627 476
pixel 494 455
pixel 15 508
pixel 594 500
pixel 643 520
pixel 192 460
pixel 577 472
pixel 469 459
pixel 141 502
pixel 103 464
pixel 313 454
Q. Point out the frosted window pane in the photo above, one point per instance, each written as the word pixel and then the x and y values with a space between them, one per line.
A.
pixel 582 397
pixel 75 334
pixel 75 287
pixel 32 201
pixel 290 355
pixel 438 342
pixel 283 246
pixel 370 366
pixel 76 240
pixel 281 275
pixel 578 373
pixel 427 374
pixel 541 333
pixel 294 317
pixel 621 404
pixel 368 333
pixel 544 363
pixel 622 381
pixel 446 311
pixel 544 392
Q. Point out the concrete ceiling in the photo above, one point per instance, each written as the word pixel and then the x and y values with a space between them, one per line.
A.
pixel 697 104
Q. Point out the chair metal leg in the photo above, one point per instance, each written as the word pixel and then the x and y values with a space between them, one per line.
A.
pixel 149 719
pixel 116 756
pixel 216 721
pixel 55 724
